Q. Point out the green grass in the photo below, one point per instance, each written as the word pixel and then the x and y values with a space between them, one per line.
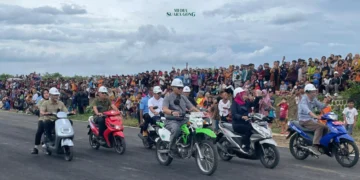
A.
pixel 127 122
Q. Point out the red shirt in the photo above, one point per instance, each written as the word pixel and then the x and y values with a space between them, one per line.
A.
pixel 284 108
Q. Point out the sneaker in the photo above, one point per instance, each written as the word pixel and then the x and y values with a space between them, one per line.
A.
pixel 35 151
pixel 315 150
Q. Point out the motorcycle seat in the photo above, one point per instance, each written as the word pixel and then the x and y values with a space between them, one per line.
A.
pixel 297 124
pixel 230 128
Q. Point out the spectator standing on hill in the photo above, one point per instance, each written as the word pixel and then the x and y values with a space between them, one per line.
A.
pixel 350 116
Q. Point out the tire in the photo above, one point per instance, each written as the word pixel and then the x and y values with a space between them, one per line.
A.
pixel 93 143
pixel 220 151
pixel 340 151
pixel 293 140
pixel 166 160
pixel 69 153
pixel 274 153
pixel 211 150
pixel 119 145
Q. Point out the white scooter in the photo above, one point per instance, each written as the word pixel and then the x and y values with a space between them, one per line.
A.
pixel 262 145
pixel 63 134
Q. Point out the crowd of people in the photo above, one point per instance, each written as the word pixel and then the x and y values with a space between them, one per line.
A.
pixel 204 87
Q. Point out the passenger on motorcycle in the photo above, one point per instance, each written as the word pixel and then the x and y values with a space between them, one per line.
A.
pixel 176 104
pixel 239 112
pixel 155 101
pixel 49 107
pixel 144 111
pixel 102 104
pixel 308 119
pixel 40 129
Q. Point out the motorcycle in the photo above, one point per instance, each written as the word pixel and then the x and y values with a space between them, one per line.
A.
pixel 335 142
pixel 193 142
pixel 262 145
pixel 64 135
pixel 149 141
pixel 113 135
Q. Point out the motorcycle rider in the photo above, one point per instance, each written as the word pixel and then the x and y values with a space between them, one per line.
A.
pixel 176 104
pixel 49 107
pixel 40 130
pixel 239 112
pixel 144 111
pixel 307 118
pixel 100 105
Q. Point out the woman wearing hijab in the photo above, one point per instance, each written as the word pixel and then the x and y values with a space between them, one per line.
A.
pixel 240 117
pixel 40 130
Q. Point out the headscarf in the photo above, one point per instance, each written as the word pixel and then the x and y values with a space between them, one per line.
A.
pixel 238 98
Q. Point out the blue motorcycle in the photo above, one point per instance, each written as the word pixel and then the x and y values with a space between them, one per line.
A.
pixel 336 142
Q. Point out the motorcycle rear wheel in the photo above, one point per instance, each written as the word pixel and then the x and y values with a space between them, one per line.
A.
pixel 223 142
pixel 295 151
pixel 163 158
pixel 93 143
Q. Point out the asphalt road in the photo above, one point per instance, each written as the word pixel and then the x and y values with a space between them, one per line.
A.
pixel 16 163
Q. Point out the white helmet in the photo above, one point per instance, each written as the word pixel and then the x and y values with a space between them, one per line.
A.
pixel 238 90
pixel 103 89
pixel 310 87
pixel 157 89
pixel 186 89
pixel 54 91
pixel 177 83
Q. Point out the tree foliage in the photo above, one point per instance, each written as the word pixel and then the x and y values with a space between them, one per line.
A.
pixel 3 76
pixel 353 93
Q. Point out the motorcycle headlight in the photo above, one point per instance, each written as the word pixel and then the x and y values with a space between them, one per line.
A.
pixel 65 130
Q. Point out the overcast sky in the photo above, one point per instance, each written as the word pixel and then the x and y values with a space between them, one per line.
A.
pixel 128 36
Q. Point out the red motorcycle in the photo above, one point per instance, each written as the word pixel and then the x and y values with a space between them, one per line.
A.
pixel 113 135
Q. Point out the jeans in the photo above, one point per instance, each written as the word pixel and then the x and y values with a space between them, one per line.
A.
pixel 261 83
pixel 39 132
pixel 349 128
pixel 216 125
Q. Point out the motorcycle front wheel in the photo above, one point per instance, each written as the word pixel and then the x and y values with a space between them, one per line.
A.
pixel 119 145
pixel 208 164
pixel 346 151
pixel 269 156
pixel 69 154
pixel 295 144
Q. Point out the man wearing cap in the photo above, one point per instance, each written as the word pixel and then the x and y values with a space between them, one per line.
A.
pixel 334 83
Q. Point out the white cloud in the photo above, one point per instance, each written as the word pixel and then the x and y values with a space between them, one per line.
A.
pixel 94 37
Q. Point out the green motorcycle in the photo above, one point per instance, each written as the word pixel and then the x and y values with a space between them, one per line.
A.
pixel 197 140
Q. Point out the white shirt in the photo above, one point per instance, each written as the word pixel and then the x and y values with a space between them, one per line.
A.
pixel 35 96
pixel 222 111
pixel 326 81
pixel 350 115
pixel 154 102
pixel 128 104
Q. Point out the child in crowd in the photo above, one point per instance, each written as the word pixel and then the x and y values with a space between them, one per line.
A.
pixel 284 113
pixel 350 116
pixel 283 88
